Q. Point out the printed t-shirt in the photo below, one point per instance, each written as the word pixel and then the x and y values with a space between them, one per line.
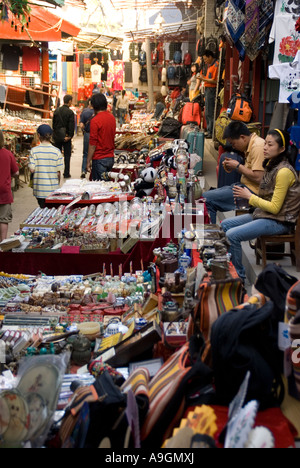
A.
pixel 9 167
pixel 102 135
pixel 254 158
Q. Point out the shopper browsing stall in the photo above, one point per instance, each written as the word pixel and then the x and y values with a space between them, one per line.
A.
pixel 159 106
pixel 122 107
pixel 85 119
pixel 63 131
pixel 46 164
pixel 9 169
pixel 102 139
pixel 252 146
pixel 277 204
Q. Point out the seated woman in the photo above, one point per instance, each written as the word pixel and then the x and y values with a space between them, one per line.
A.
pixel 159 106
pixel 277 204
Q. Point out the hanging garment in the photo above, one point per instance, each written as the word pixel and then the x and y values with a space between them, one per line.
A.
pixel 283 31
pixel 11 57
pixel 69 77
pixel 64 76
pixel 289 76
pixel 31 58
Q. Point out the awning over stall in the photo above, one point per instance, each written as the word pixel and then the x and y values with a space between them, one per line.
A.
pixel 43 26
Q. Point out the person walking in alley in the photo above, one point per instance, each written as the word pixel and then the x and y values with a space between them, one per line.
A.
pixel 63 124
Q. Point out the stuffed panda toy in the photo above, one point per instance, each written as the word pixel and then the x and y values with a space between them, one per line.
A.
pixel 144 185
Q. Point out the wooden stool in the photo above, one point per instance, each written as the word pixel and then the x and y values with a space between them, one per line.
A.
pixel 294 252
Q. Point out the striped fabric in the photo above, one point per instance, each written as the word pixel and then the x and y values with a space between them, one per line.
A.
pixel 137 382
pixel 215 298
pixel 46 161
pixel 291 302
pixel 163 388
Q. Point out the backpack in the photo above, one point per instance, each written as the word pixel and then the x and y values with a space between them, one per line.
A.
pixel 191 113
pixel 240 108
pixel 142 57
pixel 187 59
pixel 180 73
pixel 170 128
pixel 242 341
pixel 177 56
pixel 220 124
pixel 171 72
pixel 143 75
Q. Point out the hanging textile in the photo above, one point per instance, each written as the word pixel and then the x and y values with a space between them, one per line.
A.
pixel 118 75
pixel 64 77
pixel 247 25
pixel 235 25
pixel 74 77
pixel 252 28
pixel 69 77
pixel 266 15
pixel 30 58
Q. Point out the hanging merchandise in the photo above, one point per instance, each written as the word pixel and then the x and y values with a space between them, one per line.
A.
pixel 283 32
pixel 289 76
pixel 240 108
pixel 247 25
pixel 30 58
pixel 11 57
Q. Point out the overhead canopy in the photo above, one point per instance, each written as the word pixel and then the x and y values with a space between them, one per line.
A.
pixel 44 26
pixel 170 31
pixel 89 41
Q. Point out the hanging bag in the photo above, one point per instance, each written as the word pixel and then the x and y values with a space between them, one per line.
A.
pixel 240 108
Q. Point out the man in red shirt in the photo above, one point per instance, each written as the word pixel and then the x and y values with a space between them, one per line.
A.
pixel 9 169
pixel 102 138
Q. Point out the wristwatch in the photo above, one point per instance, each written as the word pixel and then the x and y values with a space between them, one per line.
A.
pixel 237 166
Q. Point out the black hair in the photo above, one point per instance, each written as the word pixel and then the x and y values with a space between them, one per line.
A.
pixel 283 139
pixel 235 130
pixel 99 102
pixel 208 53
pixel 68 98
pixel 197 66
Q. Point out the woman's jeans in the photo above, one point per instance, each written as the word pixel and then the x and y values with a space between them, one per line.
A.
pixel 122 113
pixel 245 228
pixel 100 166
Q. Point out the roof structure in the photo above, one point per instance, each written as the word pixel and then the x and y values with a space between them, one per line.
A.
pixel 171 31
pixel 43 26
pixel 89 41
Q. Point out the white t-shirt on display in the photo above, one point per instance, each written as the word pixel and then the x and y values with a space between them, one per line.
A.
pixel 96 71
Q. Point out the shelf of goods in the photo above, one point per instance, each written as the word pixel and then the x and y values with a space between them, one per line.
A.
pixel 137 133
pixel 18 137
